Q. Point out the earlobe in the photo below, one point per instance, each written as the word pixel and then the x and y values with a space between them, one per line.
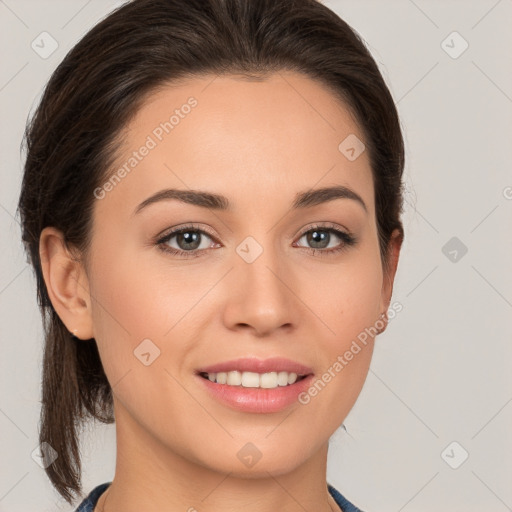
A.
pixel 382 322
pixel 66 282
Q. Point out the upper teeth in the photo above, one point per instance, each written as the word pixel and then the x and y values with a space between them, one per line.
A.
pixel 252 379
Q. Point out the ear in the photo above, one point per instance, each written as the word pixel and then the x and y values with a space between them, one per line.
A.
pixel 393 253
pixel 66 282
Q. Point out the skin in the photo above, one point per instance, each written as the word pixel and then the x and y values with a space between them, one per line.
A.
pixel 258 143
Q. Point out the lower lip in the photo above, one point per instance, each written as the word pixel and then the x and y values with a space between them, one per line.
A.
pixel 259 400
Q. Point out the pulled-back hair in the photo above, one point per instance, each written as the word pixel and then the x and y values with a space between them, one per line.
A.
pixel 72 138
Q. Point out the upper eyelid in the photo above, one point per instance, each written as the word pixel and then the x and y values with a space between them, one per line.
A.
pixel 328 227
pixel 177 230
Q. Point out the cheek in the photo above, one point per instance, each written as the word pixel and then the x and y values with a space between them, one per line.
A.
pixel 124 309
pixel 346 300
pixel 129 296
pixel 135 307
pixel 348 306
pixel 135 300
pixel 344 297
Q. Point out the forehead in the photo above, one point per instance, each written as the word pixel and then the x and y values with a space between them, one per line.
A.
pixel 248 139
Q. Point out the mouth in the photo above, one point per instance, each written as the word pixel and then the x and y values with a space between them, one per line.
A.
pixel 253 385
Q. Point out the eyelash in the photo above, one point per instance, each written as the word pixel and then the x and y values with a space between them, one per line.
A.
pixel 347 239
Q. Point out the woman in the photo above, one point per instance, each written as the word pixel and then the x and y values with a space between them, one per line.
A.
pixel 211 202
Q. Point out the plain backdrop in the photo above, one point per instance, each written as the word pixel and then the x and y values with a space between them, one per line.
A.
pixel 431 429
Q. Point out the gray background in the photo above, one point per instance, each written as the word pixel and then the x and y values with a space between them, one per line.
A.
pixel 441 371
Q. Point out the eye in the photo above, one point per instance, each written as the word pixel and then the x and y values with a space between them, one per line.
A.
pixel 321 239
pixel 188 239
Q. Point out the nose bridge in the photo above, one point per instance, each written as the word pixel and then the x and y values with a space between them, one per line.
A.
pixel 261 297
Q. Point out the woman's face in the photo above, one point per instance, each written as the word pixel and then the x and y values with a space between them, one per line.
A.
pixel 259 277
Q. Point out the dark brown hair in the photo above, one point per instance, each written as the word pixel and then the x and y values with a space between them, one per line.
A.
pixel 72 138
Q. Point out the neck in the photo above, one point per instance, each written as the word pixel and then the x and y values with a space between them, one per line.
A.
pixel 151 476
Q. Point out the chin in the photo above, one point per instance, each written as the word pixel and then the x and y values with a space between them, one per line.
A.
pixel 250 463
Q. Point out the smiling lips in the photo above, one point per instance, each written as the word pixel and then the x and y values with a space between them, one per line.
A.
pixel 254 385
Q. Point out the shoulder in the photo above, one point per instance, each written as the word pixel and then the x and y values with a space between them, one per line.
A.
pixel 343 503
pixel 90 501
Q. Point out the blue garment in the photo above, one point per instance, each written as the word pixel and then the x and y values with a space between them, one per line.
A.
pixel 90 501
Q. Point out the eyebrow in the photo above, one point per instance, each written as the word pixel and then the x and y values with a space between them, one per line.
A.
pixel 305 199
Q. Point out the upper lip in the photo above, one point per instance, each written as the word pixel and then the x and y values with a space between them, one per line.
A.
pixel 273 364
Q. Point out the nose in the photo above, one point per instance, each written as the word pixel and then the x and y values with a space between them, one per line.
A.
pixel 260 295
